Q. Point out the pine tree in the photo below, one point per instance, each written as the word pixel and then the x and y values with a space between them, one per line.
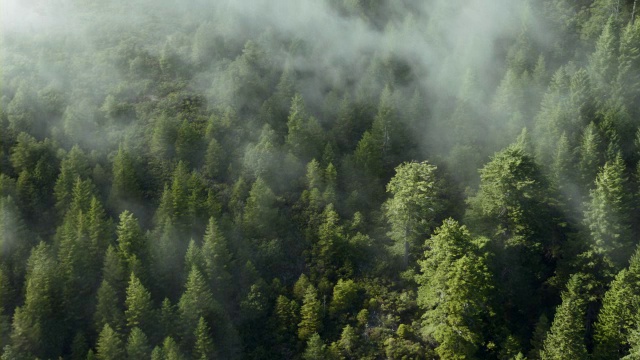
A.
pixel 138 345
pixel 628 79
pixel 132 246
pixel 603 62
pixel 345 294
pixel 217 261
pixel 514 209
pixel 109 346
pixel 310 314
pixel 260 212
pixel 285 325
pixel 15 240
pixel 73 166
pixel 607 214
pixel 171 350
pixel 197 301
pixel 166 261
pixel 204 348
pixel 616 318
pixel 37 324
pixel 304 136
pixel 167 320
pixel 368 155
pixel 566 336
pixel 214 160
pixel 138 305
pixel 316 349
pixel 260 159
pixel 328 253
pixel 125 188
pixel 455 290
pixel 414 206
pixel 590 156
pixel 108 311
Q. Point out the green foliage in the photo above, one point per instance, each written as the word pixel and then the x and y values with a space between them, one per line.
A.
pixel 455 292
pixel 617 317
pixel 132 244
pixel 138 345
pixel 607 214
pixel 204 348
pixel 567 333
pixel 109 346
pixel 137 305
pixel 414 205
pixel 310 315
pixel 212 185
pixel 108 311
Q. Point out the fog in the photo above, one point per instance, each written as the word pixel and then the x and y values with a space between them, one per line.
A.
pixel 433 48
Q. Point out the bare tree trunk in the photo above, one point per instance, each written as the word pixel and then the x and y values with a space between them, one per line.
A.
pixel 633 12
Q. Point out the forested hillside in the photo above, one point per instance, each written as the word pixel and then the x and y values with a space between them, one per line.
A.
pixel 319 179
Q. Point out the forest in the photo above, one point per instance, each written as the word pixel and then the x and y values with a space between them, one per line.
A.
pixel 319 179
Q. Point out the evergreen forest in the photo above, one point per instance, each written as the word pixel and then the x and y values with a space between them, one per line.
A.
pixel 319 179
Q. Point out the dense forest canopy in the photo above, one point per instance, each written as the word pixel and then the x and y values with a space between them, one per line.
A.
pixel 331 179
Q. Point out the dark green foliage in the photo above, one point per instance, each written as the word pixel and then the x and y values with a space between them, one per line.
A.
pixel 607 215
pixel 310 315
pixel 109 345
pixel 414 206
pixel 138 345
pixel 455 290
pixel 197 180
pixel 566 336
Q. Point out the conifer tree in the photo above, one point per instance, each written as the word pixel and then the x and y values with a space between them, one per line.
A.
pixel 109 345
pixel 607 214
pixel 125 188
pixel 138 305
pixel 260 212
pixel 197 301
pixel 316 349
pixel 73 166
pixel 171 350
pixel 628 79
pixel 108 311
pixel 414 205
pixel 603 62
pixel 285 324
pixel 37 325
pixel 590 156
pixel 566 336
pixel 132 244
pixel 204 348
pixel 304 136
pixel 217 261
pixel 138 345
pixel 310 314
pixel 455 288
pixel 616 318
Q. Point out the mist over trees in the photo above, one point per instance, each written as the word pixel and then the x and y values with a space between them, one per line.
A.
pixel 380 179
